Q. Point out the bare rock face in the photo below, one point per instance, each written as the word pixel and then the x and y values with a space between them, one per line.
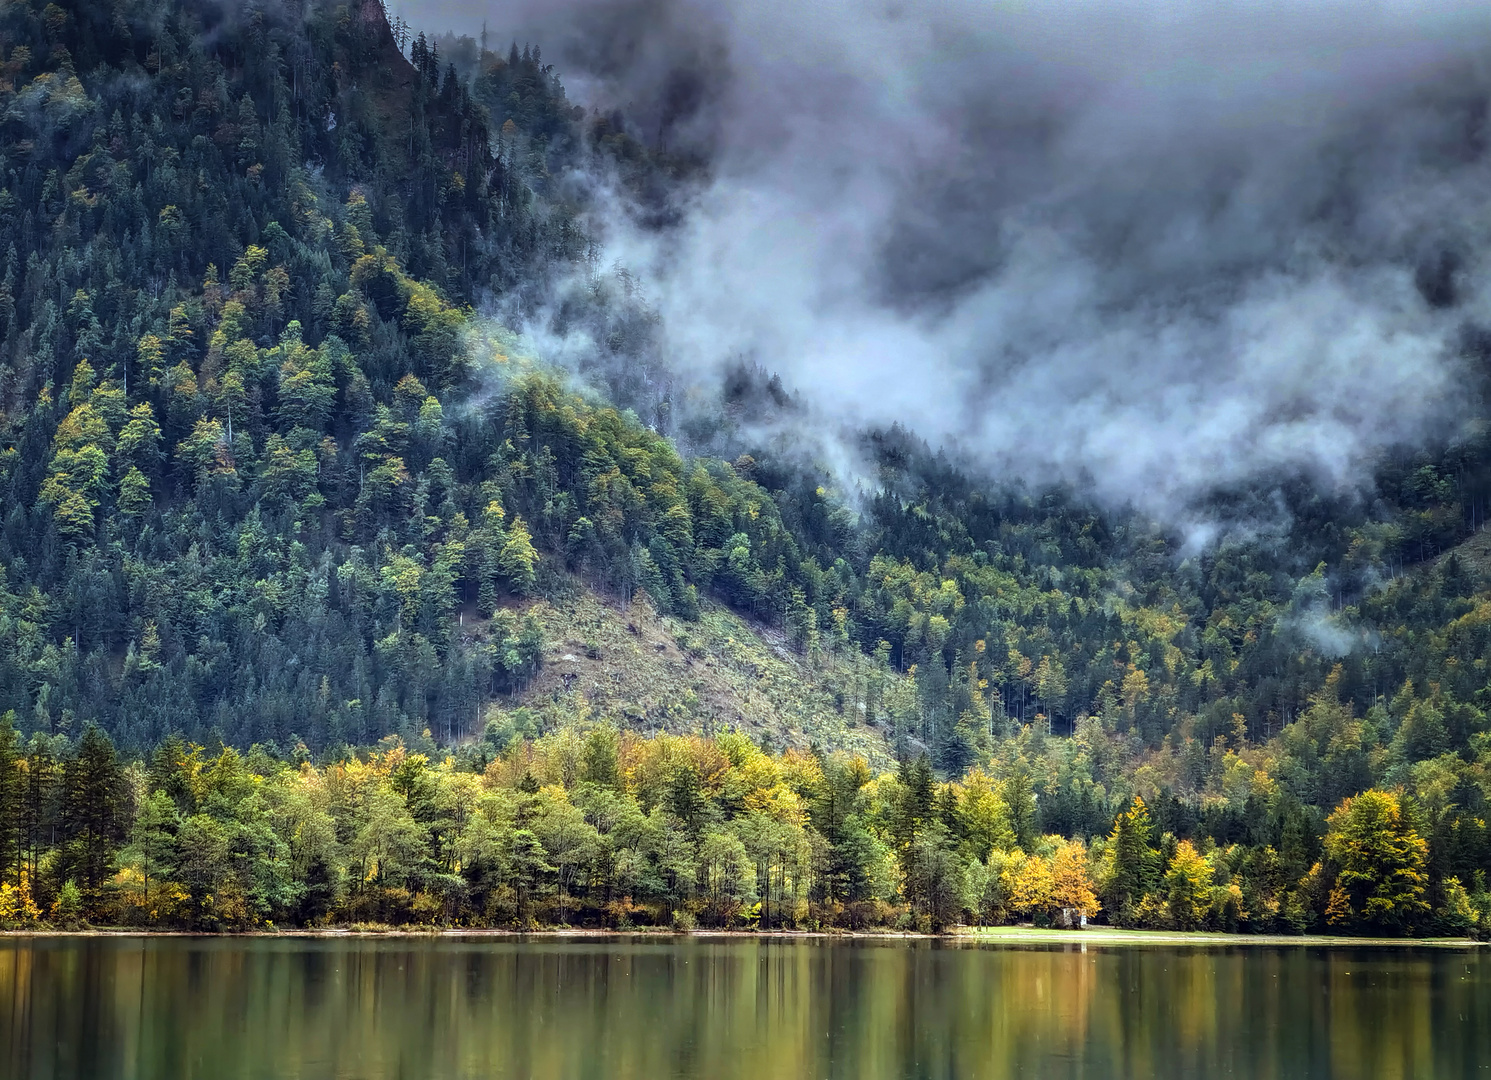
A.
pixel 374 16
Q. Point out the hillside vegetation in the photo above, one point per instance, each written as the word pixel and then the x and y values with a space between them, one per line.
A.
pixel 271 483
pixel 716 673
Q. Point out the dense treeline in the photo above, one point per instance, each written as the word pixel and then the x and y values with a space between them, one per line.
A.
pixel 600 827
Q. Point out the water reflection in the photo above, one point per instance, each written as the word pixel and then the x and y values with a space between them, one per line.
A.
pixel 725 1008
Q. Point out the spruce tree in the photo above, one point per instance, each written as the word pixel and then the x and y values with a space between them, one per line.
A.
pixel 10 801
pixel 93 815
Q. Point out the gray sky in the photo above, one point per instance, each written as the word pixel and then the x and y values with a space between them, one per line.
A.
pixel 1156 246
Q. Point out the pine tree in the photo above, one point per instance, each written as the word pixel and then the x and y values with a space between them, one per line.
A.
pixel 10 801
pixel 1134 862
pixel 94 810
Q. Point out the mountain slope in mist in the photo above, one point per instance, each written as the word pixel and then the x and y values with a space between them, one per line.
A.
pixel 269 476
pixel 1146 249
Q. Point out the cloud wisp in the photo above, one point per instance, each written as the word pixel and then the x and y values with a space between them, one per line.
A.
pixel 1151 248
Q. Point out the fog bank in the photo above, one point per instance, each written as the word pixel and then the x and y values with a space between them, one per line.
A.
pixel 1155 248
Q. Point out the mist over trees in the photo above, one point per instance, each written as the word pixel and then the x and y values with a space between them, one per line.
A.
pixel 1146 249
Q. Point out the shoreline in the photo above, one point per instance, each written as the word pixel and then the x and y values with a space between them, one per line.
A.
pixel 1106 935
pixel 1002 935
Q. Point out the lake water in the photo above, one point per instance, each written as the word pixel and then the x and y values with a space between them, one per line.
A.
pixel 624 1008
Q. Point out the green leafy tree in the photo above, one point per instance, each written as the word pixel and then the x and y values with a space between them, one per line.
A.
pixel 1378 860
pixel 152 851
pixel 1188 884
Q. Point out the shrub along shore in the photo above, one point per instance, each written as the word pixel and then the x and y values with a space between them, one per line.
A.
pixel 607 829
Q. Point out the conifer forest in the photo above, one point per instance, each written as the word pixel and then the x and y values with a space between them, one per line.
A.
pixel 335 592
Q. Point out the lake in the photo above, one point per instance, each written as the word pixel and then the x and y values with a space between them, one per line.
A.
pixel 722 1008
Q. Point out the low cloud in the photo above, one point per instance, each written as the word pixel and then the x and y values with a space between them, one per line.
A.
pixel 1153 249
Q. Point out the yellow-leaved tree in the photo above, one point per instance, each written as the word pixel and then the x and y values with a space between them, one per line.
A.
pixel 1029 883
pixel 1378 862
pixel 1188 886
pixel 1071 884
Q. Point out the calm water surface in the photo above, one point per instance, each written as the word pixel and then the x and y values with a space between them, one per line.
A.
pixel 629 1008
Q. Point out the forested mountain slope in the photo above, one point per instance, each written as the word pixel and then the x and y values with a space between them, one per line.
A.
pixel 238 241
pixel 268 478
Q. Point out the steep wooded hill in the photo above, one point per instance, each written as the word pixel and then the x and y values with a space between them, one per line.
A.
pixel 268 477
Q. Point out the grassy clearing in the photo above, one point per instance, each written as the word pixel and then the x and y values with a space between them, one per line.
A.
pixel 657 673
pixel 1102 935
